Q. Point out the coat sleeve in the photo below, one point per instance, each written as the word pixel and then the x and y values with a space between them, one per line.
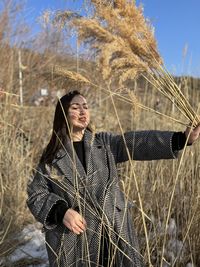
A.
pixel 41 199
pixel 140 145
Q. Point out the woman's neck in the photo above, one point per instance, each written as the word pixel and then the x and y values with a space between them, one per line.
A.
pixel 77 135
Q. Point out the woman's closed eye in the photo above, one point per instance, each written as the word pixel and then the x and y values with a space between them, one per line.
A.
pixel 79 107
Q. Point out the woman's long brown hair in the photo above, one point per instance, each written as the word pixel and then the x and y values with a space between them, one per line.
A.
pixel 60 127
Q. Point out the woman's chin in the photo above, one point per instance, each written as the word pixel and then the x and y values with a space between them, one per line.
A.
pixel 80 127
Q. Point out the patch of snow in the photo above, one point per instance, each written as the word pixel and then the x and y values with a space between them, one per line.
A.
pixel 172 228
pixel 33 245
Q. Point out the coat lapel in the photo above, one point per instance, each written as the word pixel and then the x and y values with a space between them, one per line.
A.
pixel 88 142
pixel 68 162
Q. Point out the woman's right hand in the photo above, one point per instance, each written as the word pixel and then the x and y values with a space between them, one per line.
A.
pixel 74 221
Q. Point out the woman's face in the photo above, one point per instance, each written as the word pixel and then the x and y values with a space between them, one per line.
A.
pixel 78 113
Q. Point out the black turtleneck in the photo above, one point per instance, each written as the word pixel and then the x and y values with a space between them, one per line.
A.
pixel 80 151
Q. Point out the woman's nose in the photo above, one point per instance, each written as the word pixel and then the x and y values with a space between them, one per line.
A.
pixel 82 110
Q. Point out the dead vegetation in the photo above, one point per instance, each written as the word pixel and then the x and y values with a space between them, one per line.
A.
pixel 25 129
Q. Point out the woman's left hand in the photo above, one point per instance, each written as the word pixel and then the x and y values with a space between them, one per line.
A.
pixel 193 134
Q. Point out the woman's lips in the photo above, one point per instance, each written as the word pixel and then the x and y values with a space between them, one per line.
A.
pixel 82 119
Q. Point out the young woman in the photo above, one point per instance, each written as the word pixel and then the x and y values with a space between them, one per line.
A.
pixel 75 192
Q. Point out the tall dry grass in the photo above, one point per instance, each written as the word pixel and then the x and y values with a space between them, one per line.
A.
pixel 168 221
pixel 156 180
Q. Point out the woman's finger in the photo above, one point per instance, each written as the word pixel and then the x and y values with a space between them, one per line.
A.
pixel 81 225
pixel 73 229
pixel 77 230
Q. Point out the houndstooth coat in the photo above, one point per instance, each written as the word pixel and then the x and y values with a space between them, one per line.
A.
pixel 96 194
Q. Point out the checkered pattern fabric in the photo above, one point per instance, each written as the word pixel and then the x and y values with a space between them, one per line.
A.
pixel 97 196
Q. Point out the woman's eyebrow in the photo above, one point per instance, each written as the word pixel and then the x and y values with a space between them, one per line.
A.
pixel 78 103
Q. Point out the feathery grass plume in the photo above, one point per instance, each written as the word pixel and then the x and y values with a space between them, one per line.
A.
pixel 62 71
pixel 125 47
pixel 120 37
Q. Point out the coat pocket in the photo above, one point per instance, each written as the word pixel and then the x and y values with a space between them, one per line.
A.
pixel 121 202
pixel 124 205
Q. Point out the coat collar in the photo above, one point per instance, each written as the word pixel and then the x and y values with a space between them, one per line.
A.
pixel 66 158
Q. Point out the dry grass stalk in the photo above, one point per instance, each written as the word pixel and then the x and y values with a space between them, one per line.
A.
pixel 164 82
pixel 132 174
pixel 134 101
pixel 62 71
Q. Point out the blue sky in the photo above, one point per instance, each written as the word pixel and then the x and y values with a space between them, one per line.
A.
pixel 176 25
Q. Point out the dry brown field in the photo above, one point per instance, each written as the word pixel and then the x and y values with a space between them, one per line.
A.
pixel 168 189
